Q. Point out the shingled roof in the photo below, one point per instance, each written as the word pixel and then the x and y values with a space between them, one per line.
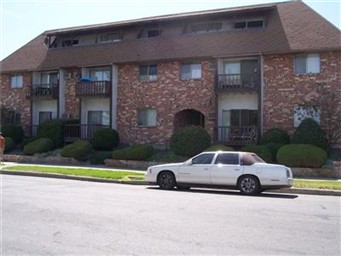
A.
pixel 292 27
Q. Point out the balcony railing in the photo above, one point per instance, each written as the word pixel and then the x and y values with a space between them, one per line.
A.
pixel 73 132
pixel 44 91
pixel 238 82
pixel 237 135
pixel 93 88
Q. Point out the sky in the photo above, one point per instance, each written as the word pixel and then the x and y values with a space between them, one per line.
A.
pixel 23 20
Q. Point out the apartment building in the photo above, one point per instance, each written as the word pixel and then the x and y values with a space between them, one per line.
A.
pixel 237 72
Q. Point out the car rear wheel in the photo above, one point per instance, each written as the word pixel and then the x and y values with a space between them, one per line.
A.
pixel 166 180
pixel 249 185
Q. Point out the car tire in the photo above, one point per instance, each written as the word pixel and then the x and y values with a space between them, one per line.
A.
pixel 166 180
pixel 249 185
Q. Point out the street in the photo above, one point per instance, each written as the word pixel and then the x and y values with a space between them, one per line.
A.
pixel 43 216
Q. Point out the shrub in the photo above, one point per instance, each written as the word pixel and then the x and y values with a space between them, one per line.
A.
pixel 105 139
pixel 98 157
pixel 16 132
pixel 219 147
pixel 9 144
pixel 261 150
pixel 27 141
pixel 138 152
pixel 79 150
pixel 301 155
pixel 273 148
pixel 40 145
pixel 52 129
pixel 190 141
pixel 310 132
pixel 275 135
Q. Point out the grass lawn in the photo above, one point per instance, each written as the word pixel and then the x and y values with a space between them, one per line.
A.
pixel 335 185
pixel 85 172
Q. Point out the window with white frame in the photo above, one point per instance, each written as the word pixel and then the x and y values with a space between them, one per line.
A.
pixel 307 64
pixel 99 74
pixel 44 116
pixel 146 117
pixel 16 81
pixel 304 112
pixel 190 71
pixel 99 118
pixel 148 72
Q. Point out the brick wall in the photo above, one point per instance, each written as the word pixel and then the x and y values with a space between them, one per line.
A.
pixel 16 98
pixel 168 95
pixel 283 90
pixel 71 101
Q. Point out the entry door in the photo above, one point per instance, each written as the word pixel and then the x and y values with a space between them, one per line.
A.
pixel 226 169
pixel 197 170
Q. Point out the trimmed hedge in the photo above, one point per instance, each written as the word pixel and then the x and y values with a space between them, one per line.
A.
pixel 219 147
pixel 40 145
pixel 190 141
pixel 137 152
pixel 275 135
pixel 98 157
pixel 16 132
pixel 79 150
pixel 52 129
pixel 9 144
pixel 273 148
pixel 261 150
pixel 105 139
pixel 301 155
pixel 310 132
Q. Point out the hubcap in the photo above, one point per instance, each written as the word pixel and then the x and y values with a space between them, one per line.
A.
pixel 248 185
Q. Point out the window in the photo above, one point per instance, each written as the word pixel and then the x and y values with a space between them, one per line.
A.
pixel 70 42
pixel 243 117
pixel 16 81
pixel 206 27
pixel 153 33
pixel 190 71
pixel 304 112
pixel 49 78
pixel 227 158
pixel 203 159
pixel 146 117
pixel 249 24
pixel 149 32
pixel 307 63
pixel 148 72
pixel 110 37
pixel 44 116
pixel 99 74
pixel 99 118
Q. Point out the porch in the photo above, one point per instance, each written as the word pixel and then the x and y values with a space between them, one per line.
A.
pixel 85 88
pixel 237 135
pixel 237 82
pixel 43 91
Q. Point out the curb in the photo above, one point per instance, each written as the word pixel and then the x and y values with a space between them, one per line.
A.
pixel 302 191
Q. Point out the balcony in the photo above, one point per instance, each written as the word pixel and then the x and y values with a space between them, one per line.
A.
pixel 237 135
pixel 238 82
pixel 85 88
pixel 73 132
pixel 44 91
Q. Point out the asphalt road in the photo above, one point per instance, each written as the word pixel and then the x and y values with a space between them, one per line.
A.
pixel 42 216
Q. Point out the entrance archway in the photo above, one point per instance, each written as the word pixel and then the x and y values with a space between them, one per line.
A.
pixel 188 117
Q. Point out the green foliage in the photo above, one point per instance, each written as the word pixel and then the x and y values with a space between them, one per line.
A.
pixel 301 155
pixel 190 141
pixel 219 147
pixel 40 145
pixel 98 157
pixel 9 144
pixel 138 152
pixel 273 148
pixel 261 150
pixel 52 129
pixel 275 135
pixel 16 132
pixel 79 150
pixel 27 141
pixel 105 139
pixel 310 132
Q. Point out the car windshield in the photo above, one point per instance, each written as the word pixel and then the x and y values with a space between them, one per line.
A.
pixel 250 159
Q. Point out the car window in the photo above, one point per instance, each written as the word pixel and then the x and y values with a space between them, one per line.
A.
pixel 203 159
pixel 227 158
pixel 250 159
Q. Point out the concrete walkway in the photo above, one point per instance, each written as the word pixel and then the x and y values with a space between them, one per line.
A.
pixel 3 170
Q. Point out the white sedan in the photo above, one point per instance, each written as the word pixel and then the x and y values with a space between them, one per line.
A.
pixel 222 169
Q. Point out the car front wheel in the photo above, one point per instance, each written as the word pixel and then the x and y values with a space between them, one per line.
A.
pixel 166 180
pixel 249 185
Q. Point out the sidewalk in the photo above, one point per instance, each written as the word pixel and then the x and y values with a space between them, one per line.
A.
pixel 292 190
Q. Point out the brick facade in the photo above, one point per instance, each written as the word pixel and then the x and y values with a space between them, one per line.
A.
pixel 284 90
pixel 72 104
pixel 168 95
pixel 16 98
